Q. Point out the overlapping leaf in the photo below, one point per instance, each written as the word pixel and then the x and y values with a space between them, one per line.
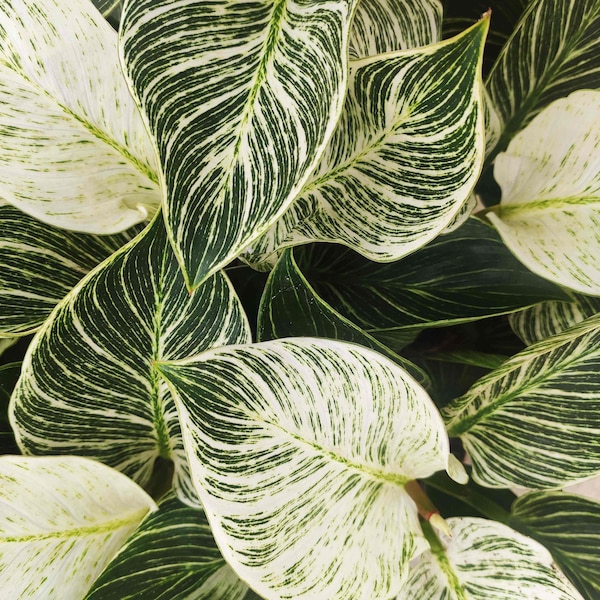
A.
pixel 381 26
pixel 485 560
pixel 171 556
pixel 549 318
pixel 552 52
pixel 459 14
pixel 74 151
pixel 549 216
pixel 403 159
pixel 241 98
pixel 534 421
pixel 300 450
pixel 61 521
pixel 462 276
pixel 107 7
pixel 569 526
pixel 290 307
pixel 41 264
pixel 88 386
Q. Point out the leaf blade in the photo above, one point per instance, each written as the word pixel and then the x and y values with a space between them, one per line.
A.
pixel 219 200
pixel 68 513
pixel 273 414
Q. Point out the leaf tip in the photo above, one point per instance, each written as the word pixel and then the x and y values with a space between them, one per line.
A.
pixel 456 470
pixel 437 522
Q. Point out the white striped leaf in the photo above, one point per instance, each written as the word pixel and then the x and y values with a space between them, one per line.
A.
pixel 107 7
pixel 534 421
pixel 171 556
pixel 403 159
pixel 381 26
pixel 9 374
pixel 61 521
pixel 41 264
pixel 300 450
pixel 549 318
pixel 74 151
pixel 460 14
pixel 549 216
pixel 552 52
pixel 88 386
pixel 569 526
pixel 241 98
pixel 290 307
pixel 486 560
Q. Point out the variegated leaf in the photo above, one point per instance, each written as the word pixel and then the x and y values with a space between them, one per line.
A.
pixel 459 277
pixel 552 52
pixel 549 216
pixel 74 151
pixel 171 556
pixel 534 421
pixel 241 97
pixel 381 26
pixel 41 264
pixel 290 307
pixel 460 14
pixel 300 450
pixel 61 521
pixel 549 318
pixel 485 560
pixel 404 157
pixel 88 386
pixel 107 7
pixel 569 526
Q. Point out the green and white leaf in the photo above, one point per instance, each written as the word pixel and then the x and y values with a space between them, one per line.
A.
pixel 465 275
pixel 171 556
pixel 61 521
pixel 569 526
pixel 241 98
pixel 485 560
pixel 549 318
pixel 404 157
pixel 74 151
pixel 549 216
pixel 552 52
pixel 534 421
pixel 107 7
pixel 41 264
pixel 290 307
pixel 460 14
pixel 88 386
pixel 382 26
pixel 300 450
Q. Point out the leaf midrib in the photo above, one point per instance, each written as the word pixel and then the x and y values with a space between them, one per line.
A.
pixel 548 205
pixel 462 426
pixel 80 532
pixel 140 166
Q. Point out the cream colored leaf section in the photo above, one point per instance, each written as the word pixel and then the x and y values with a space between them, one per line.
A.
pixel 74 151
pixel 300 450
pixel 62 519
pixel 549 216
pixel 486 560
pixel 550 318
pixel 381 26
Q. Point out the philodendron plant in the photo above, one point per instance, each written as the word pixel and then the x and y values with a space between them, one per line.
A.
pixel 294 294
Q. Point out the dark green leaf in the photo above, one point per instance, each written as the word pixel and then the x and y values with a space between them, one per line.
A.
pixel 291 308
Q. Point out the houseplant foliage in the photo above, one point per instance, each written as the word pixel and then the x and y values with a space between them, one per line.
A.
pixel 254 342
